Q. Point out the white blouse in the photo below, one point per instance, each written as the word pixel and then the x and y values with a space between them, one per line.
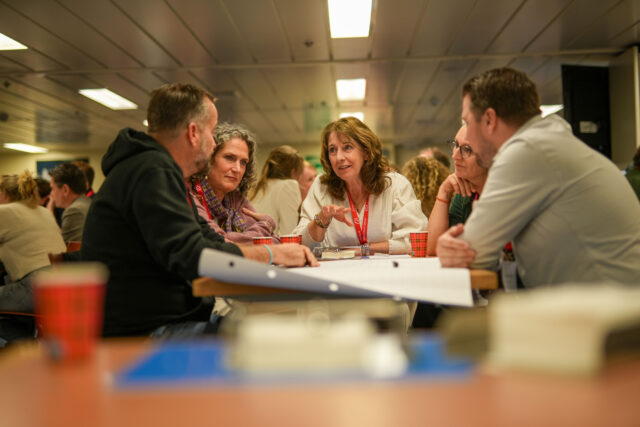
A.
pixel 393 214
pixel 281 201
pixel 27 236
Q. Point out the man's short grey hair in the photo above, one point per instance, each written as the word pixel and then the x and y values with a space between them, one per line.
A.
pixel 173 106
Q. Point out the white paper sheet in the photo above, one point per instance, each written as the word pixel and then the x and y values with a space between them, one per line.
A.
pixel 420 279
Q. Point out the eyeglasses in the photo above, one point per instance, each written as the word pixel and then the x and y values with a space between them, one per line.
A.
pixel 465 150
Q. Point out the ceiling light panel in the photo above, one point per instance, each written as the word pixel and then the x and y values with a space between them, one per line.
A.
pixel 351 89
pixel 349 18
pixel 358 115
pixel 108 99
pixel 550 109
pixel 7 43
pixel 26 148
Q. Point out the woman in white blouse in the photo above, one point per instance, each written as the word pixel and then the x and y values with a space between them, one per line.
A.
pixel 28 233
pixel 372 207
pixel 277 192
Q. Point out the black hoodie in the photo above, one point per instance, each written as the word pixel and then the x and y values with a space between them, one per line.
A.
pixel 142 227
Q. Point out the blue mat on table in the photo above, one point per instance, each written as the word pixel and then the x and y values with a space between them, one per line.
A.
pixel 202 362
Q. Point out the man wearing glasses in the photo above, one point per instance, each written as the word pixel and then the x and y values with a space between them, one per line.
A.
pixel 566 207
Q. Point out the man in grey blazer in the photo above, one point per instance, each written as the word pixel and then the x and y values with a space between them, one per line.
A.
pixel 68 188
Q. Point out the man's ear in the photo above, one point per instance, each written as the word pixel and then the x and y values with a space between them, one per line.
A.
pixel 193 133
pixel 490 119
pixel 65 189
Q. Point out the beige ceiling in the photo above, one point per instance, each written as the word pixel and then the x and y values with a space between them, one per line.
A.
pixel 273 65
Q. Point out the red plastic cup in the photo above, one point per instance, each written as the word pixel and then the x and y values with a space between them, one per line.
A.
pixel 69 300
pixel 291 238
pixel 419 243
pixel 262 240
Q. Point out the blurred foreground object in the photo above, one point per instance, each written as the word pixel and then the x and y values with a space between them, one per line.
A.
pixel 571 329
pixel 69 300
pixel 319 338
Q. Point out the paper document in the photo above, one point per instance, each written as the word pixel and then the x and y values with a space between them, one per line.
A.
pixel 420 279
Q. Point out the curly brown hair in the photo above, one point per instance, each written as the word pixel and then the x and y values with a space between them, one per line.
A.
pixel 226 131
pixel 425 175
pixel 374 170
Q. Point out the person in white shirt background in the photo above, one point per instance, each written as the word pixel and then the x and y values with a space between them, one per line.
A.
pixel 306 178
pixel 277 192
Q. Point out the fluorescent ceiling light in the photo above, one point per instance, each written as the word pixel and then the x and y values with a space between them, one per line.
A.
pixel 108 99
pixel 7 43
pixel 24 147
pixel 550 109
pixel 358 115
pixel 349 18
pixel 351 90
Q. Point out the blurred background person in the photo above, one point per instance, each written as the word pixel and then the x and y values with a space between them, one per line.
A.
pixel 438 154
pixel 372 207
pixel 28 232
pixel 220 196
pixel 277 193
pixel 457 193
pixel 633 174
pixel 306 178
pixel 425 175
pixel 68 187
pixel 44 190
pixel 89 174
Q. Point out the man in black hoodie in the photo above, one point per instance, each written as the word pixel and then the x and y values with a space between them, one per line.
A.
pixel 141 224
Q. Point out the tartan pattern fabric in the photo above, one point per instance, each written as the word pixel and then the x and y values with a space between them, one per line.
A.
pixel 262 240
pixel 71 318
pixel 419 243
pixel 227 217
pixel 296 238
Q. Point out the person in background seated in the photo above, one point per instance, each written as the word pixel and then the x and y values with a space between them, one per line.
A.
pixel 44 190
pixel 564 206
pixel 89 174
pixel 143 226
pixel 68 187
pixel 220 196
pixel 277 193
pixel 425 176
pixel 456 195
pixel 28 232
pixel 372 207
pixel 633 175
pixel 436 153
pixel 306 178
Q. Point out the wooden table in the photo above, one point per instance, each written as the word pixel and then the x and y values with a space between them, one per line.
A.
pixel 204 286
pixel 35 392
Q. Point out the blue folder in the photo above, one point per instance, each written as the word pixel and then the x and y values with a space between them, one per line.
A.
pixel 188 363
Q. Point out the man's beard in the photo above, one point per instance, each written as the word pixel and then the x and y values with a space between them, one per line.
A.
pixel 202 163
pixel 202 167
pixel 484 157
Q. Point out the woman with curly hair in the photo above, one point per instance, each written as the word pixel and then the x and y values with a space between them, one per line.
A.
pixel 458 192
pixel 425 175
pixel 373 208
pixel 220 196
pixel 28 233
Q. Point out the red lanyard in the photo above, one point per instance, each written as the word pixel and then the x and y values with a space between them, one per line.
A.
pixel 202 198
pixel 361 232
